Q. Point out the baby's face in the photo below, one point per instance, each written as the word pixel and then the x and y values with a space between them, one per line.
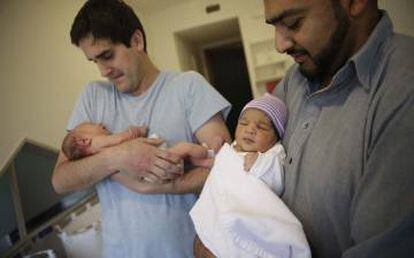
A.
pixel 255 132
pixel 91 129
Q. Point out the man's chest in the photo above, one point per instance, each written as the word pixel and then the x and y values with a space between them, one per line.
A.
pixel 325 141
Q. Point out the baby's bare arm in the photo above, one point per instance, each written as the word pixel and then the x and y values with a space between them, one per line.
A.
pixel 133 132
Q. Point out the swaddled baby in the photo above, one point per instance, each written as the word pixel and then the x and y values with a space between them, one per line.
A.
pixel 239 213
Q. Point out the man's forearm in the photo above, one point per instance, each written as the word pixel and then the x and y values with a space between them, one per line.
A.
pixel 81 174
pixel 190 182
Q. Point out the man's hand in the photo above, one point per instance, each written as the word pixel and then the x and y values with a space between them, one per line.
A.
pixel 141 158
pixel 249 160
pixel 196 154
pixel 138 131
pixel 217 143
pixel 161 171
pixel 190 182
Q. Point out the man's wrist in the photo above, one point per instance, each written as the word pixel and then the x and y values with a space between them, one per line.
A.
pixel 201 179
pixel 110 158
pixel 191 182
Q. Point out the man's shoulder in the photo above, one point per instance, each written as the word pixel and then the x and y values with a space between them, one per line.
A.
pixel 95 86
pixel 183 77
pixel 396 74
pixel 403 41
pixel 187 82
pixel 399 50
pixel 97 91
pixel 392 88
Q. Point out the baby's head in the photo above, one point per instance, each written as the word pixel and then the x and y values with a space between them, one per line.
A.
pixel 261 124
pixel 78 141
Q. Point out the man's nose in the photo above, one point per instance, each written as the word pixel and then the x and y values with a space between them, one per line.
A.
pixel 283 40
pixel 104 69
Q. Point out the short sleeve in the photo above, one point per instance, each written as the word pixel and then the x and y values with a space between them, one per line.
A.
pixel 82 112
pixel 202 101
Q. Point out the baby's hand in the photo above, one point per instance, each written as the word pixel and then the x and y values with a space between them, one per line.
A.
pixel 196 154
pixel 138 131
pixel 249 160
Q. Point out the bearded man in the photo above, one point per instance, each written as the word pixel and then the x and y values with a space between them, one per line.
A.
pixel 349 136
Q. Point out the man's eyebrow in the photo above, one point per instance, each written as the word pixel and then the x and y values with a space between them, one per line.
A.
pixel 284 14
pixel 100 55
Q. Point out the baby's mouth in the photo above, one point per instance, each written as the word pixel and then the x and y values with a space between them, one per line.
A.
pixel 248 140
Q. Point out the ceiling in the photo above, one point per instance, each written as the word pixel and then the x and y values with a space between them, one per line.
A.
pixel 148 6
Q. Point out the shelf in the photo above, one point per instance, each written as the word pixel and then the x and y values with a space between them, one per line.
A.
pixel 270 71
pixel 267 86
pixel 268 63
pixel 268 78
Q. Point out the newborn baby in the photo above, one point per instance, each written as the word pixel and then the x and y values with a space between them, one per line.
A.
pixel 89 138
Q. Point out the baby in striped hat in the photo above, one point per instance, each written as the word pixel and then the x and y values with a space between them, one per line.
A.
pixel 239 213
pixel 259 130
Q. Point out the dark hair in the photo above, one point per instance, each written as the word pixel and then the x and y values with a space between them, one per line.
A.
pixel 106 19
pixel 71 149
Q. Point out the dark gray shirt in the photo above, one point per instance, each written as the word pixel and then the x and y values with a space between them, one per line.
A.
pixel 350 151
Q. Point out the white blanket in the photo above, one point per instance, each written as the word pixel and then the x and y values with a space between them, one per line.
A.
pixel 237 215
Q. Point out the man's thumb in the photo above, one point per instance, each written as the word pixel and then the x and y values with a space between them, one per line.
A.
pixel 153 141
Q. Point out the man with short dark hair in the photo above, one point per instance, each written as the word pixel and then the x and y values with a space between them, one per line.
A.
pixel 144 198
pixel 350 131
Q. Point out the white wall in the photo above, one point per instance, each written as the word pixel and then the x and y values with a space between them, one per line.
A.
pixel 401 12
pixel 162 25
pixel 42 73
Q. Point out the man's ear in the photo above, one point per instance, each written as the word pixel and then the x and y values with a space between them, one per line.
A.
pixel 137 40
pixel 357 7
pixel 83 141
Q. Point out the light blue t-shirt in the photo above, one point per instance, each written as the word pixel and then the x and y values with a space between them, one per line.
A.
pixel 175 107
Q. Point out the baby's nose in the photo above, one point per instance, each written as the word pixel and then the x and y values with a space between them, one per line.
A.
pixel 251 129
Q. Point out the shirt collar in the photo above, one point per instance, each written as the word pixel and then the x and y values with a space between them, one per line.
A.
pixel 366 59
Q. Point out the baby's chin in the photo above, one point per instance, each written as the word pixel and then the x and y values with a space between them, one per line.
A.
pixel 254 148
pixel 247 147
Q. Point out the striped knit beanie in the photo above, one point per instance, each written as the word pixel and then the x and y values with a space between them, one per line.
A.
pixel 274 109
